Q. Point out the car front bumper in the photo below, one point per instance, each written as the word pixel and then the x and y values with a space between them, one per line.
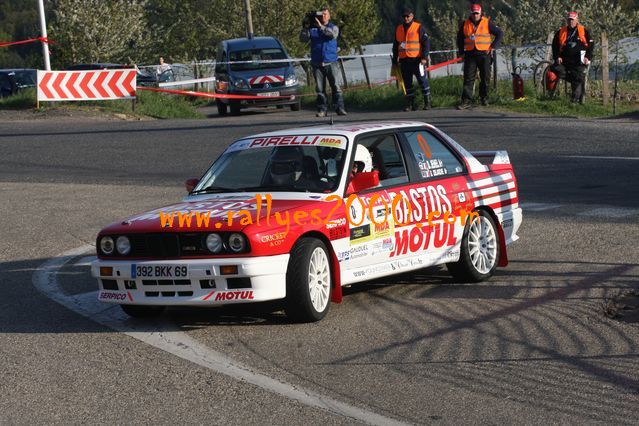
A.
pixel 258 279
pixel 288 95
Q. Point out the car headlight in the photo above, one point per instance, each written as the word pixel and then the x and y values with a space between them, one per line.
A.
pixel 123 245
pixel 106 245
pixel 214 243
pixel 237 243
pixel 291 80
pixel 240 84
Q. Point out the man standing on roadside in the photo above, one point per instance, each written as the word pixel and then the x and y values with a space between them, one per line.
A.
pixel 475 46
pixel 323 36
pixel 572 51
pixel 410 49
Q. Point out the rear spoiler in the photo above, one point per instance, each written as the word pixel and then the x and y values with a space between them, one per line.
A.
pixel 491 157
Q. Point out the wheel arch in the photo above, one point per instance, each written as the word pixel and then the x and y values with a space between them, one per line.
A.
pixel 503 254
pixel 336 294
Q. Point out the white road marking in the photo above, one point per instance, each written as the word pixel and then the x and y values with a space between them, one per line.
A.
pixel 159 334
pixel 603 157
pixel 610 212
pixel 538 207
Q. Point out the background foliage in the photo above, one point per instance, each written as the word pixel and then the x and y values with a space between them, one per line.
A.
pixel 141 30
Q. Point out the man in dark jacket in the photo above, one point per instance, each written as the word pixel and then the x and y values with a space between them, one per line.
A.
pixel 323 36
pixel 474 44
pixel 572 51
pixel 410 49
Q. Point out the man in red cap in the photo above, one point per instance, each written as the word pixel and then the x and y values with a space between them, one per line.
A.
pixel 475 44
pixel 572 51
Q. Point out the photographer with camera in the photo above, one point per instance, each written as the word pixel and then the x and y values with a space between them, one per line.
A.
pixel 322 34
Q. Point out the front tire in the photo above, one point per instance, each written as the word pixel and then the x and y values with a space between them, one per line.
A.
pixel 296 106
pixel 235 108
pixel 480 250
pixel 308 281
pixel 139 311
pixel 221 108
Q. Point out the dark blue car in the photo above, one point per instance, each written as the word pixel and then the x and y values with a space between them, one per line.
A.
pixel 254 75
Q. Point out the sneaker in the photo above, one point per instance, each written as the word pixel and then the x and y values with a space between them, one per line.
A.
pixel 341 111
pixel 484 102
pixel 464 105
pixel 320 114
pixel 407 108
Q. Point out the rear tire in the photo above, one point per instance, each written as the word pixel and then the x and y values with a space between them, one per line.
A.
pixel 221 108
pixel 480 250
pixel 308 281
pixel 140 311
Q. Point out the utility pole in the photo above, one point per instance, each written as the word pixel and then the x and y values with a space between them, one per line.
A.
pixel 249 19
pixel 43 34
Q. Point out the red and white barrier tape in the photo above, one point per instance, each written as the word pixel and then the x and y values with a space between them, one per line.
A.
pixel 31 40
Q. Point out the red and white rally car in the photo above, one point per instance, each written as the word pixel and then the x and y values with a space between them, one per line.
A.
pixel 297 214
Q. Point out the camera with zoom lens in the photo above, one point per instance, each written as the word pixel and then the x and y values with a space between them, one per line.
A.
pixel 309 19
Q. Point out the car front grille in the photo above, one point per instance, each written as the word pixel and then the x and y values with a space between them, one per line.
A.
pixel 273 85
pixel 167 245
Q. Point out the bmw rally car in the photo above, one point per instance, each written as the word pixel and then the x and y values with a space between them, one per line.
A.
pixel 318 208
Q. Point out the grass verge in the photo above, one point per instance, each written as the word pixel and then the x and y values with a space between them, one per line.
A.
pixel 148 104
pixel 446 93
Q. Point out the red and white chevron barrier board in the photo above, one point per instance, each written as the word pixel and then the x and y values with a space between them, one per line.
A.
pixel 86 85
pixel 266 79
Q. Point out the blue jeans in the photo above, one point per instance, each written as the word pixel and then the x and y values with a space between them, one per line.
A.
pixel 321 73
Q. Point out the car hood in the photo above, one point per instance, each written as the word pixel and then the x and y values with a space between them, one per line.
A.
pixel 189 216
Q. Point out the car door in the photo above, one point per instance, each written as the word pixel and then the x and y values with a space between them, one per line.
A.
pixel 369 211
pixel 432 221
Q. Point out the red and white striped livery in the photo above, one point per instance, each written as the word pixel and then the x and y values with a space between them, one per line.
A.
pixel 299 213
pixel 86 85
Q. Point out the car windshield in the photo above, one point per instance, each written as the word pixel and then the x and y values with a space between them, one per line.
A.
pixel 307 163
pixel 265 54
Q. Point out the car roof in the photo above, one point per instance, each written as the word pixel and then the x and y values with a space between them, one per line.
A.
pixel 349 130
pixel 255 42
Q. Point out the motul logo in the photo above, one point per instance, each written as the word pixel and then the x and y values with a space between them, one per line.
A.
pixel 86 85
pixel 235 295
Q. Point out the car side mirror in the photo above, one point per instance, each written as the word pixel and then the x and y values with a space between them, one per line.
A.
pixel 362 181
pixel 190 184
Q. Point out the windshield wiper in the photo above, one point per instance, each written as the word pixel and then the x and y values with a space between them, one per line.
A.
pixel 214 190
pixel 272 188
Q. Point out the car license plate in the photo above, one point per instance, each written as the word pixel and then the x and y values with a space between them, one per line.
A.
pixel 159 271
pixel 268 94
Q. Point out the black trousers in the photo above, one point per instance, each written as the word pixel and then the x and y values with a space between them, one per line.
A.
pixel 473 61
pixel 409 69
pixel 575 74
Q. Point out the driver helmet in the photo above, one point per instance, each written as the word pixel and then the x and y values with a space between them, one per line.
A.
pixel 286 165
pixel 363 159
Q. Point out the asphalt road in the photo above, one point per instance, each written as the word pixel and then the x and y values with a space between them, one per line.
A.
pixel 529 346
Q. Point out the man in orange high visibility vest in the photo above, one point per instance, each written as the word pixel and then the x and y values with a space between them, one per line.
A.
pixel 410 49
pixel 572 51
pixel 475 45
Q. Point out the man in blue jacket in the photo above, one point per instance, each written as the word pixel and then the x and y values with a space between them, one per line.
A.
pixel 323 36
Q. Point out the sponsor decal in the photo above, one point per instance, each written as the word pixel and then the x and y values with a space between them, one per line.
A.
pixel 360 232
pixel 422 238
pixel 289 140
pixel 107 295
pixel 508 223
pixel 274 239
pixel 234 295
